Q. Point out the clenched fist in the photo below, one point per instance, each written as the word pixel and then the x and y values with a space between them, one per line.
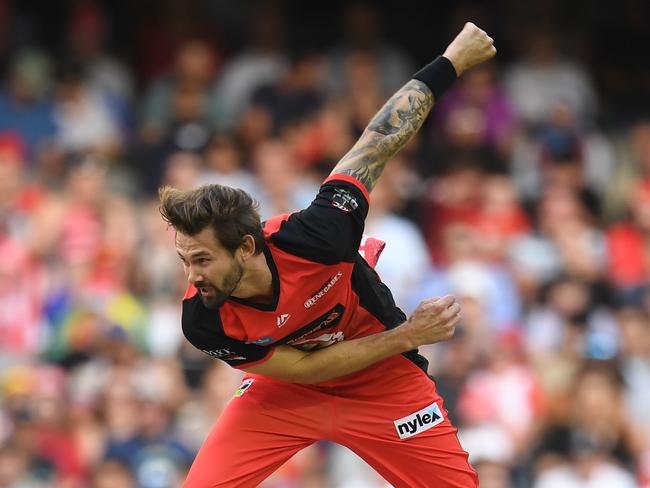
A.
pixel 471 47
pixel 433 321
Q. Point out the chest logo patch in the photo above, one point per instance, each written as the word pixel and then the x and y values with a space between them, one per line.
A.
pixel 282 319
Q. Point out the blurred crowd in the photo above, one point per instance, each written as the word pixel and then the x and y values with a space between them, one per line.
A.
pixel 515 197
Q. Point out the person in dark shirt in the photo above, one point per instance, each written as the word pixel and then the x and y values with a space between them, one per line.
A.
pixel 327 353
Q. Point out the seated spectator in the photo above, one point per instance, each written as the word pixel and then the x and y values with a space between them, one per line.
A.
pixel 505 395
pixel 86 35
pixel 632 166
pixel 566 241
pixel 294 98
pixel 224 165
pixel 362 26
pixel 476 113
pixel 26 107
pixel 84 119
pixel 542 79
pixel 284 189
pixel 261 62
pixel 187 92
pixel 634 324
pixel 112 474
pixel 628 259
pixel 451 199
pixel 593 442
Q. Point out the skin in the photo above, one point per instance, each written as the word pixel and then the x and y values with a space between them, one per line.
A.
pixel 218 273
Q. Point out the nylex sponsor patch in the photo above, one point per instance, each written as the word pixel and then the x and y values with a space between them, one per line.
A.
pixel 419 421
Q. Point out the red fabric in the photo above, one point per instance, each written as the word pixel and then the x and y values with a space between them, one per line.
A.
pixel 438 218
pixel 628 261
pixel 58 447
pixel 370 249
pixel 272 420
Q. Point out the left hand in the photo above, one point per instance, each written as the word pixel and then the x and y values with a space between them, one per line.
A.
pixel 471 46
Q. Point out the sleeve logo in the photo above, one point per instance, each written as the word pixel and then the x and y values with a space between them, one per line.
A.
pixel 343 200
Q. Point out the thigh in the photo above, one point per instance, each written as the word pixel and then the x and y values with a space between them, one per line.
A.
pixel 400 427
pixel 256 433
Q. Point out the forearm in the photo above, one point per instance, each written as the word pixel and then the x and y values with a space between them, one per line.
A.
pixel 388 131
pixel 401 117
pixel 340 359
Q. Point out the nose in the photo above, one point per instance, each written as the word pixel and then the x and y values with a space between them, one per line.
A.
pixel 192 275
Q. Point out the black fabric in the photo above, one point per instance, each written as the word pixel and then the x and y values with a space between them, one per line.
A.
pixel 377 299
pixel 329 231
pixel 202 328
pixel 328 320
pixel 438 75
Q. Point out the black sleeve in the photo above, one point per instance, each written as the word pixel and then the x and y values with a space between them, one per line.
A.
pixel 202 328
pixel 330 229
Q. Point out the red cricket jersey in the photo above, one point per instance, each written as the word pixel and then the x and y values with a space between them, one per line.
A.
pixel 324 291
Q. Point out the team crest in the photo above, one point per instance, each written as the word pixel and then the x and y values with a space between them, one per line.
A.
pixel 243 387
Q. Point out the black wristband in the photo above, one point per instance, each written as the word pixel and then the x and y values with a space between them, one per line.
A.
pixel 438 75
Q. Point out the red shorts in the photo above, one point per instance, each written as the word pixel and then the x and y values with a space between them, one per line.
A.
pixel 389 414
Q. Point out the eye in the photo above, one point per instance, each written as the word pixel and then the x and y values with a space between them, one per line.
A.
pixel 203 260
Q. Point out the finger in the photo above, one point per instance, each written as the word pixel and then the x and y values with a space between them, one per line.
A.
pixel 446 301
pixel 451 312
pixel 428 303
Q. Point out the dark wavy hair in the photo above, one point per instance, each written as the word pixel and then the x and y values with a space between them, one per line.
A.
pixel 230 212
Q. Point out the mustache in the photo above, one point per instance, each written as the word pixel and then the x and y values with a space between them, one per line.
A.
pixel 203 284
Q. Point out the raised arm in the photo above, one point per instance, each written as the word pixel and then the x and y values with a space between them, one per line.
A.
pixel 403 114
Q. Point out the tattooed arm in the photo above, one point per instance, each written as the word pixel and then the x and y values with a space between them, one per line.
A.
pixel 392 127
pixel 404 113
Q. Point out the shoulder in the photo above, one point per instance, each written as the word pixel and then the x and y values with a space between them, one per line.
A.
pixel 201 326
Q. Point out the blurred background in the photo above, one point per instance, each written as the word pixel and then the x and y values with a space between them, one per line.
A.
pixel 526 194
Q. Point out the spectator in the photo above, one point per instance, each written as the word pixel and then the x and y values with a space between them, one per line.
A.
pixel 25 104
pixel 542 79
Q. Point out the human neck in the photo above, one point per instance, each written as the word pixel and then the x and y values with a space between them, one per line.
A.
pixel 257 281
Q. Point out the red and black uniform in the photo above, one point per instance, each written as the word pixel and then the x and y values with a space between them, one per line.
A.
pixel 323 292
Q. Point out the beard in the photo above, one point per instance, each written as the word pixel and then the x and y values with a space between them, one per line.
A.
pixel 217 296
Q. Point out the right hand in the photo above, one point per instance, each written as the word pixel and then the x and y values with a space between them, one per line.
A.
pixel 471 46
pixel 434 320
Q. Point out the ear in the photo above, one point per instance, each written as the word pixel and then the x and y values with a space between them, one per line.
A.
pixel 247 247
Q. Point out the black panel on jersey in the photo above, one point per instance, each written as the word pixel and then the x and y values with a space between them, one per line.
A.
pixel 377 299
pixel 202 327
pixel 328 320
pixel 330 229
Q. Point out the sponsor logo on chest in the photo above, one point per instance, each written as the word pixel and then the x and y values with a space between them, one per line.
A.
pixel 323 290
pixel 419 421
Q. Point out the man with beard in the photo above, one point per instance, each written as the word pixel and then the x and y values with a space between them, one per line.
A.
pixel 327 354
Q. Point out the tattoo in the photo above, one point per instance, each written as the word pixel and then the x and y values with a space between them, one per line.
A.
pixel 389 130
